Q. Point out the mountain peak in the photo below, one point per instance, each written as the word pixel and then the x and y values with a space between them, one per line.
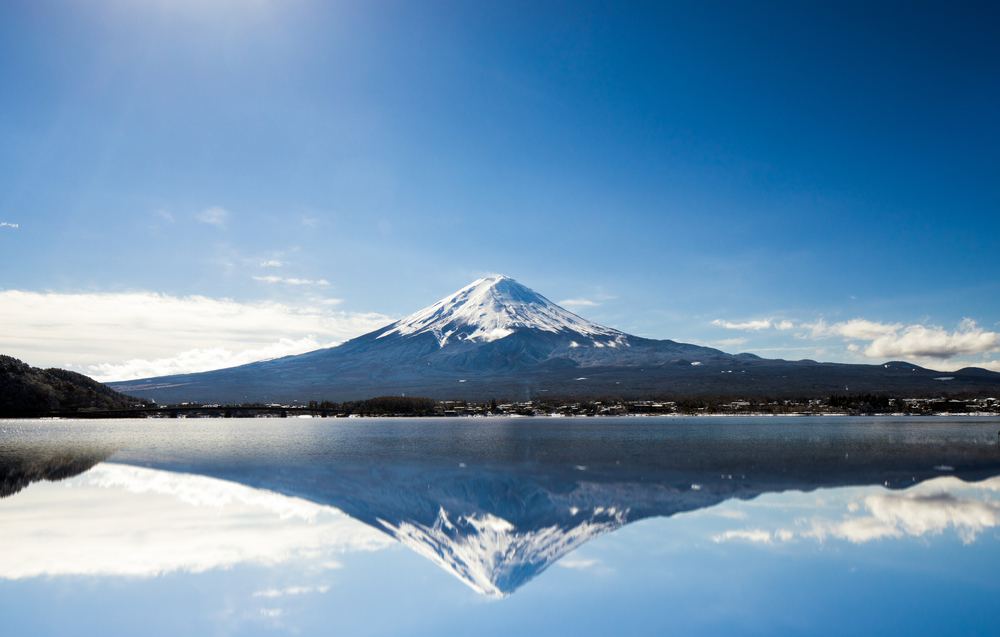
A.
pixel 492 308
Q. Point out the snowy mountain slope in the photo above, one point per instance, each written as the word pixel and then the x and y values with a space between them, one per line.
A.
pixel 497 338
pixel 498 325
pixel 496 307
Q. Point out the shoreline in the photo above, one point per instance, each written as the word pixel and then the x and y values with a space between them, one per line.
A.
pixel 895 415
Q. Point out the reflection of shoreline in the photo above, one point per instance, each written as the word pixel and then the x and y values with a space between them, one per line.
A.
pixel 217 412
pixel 22 466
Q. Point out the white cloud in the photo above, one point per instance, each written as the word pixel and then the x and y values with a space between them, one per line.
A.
pixel 145 331
pixel 854 329
pixel 990 365
pixel 166 216
pixel 9 225
pixel 754 326
pixel 271 264
pixel 935 342
pixel 278 279
pixel 200 360
pixel 889 340
pixel 578 303
pixel 215 215
pixel 118 520
pixel 731 342
pixel 785 325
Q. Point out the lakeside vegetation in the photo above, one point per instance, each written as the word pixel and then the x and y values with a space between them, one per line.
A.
pixel 29 392
pixel 400 406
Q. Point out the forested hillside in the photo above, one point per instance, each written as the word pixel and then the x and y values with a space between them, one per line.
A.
pixel 27 388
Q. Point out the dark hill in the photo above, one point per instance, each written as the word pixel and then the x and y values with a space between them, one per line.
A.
pixel 25 389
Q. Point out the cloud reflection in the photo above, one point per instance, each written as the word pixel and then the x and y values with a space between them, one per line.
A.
pixel 130 521
pixel 292 590
pixel 927 509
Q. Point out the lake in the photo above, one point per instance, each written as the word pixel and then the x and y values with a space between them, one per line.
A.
pixel 575 526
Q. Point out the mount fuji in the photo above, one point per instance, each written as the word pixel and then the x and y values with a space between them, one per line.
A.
pixel 496 338
pixel 498 325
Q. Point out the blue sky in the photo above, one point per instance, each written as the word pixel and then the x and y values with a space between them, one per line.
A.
pixel 187 184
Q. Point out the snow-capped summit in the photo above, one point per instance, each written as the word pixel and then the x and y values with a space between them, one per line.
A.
pixel 493 308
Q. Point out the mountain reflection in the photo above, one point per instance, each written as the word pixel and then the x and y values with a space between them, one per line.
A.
pixel 497 530
pixel 494 518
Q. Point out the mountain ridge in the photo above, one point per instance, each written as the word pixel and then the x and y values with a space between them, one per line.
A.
pixel 497 338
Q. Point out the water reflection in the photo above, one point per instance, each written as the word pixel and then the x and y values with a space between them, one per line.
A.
pixel 132 521
pixel 927 509
pixel 20 465
pixel 493 522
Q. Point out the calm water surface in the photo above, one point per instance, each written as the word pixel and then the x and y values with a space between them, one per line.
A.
pixel 500 526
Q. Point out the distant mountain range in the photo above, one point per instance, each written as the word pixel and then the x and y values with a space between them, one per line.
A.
pixel 498 339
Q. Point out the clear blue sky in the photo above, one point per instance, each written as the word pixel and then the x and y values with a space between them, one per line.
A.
pixel 704 171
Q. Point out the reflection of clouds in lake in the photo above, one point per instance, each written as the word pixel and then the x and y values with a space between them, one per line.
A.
pixel 731 514
pixel 120 520
pixel 569 562
pixel 198 490
pixel 750 535
pixel 914 514
pixel 927 509
pixel 292 590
